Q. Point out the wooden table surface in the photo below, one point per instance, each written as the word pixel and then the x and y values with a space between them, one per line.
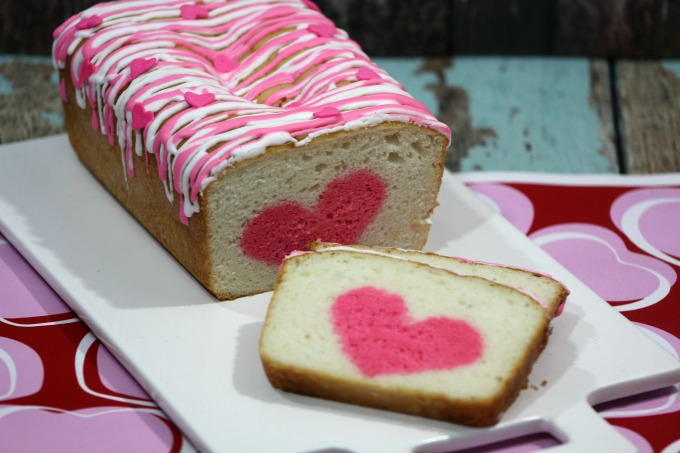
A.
pixel 548 114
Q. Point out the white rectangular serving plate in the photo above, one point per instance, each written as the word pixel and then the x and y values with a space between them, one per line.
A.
pixel 199 358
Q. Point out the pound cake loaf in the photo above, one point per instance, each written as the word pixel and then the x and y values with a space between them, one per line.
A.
pixel 237 132
pixel 549 292
pixel 397 334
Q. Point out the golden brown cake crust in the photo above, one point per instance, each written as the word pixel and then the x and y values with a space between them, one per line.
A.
pixel 142 195
pixel 469 413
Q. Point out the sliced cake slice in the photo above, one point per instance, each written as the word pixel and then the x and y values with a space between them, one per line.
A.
pixel 551 293
pixel 399 335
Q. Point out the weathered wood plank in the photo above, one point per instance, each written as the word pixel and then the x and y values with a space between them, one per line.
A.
pixel 507 27
pixel 617 28
pixel 611 28
pixel 29 99
pixel 601 101
pixel 649 103
pixel 26 25
pixel 395 28
pixel 523 114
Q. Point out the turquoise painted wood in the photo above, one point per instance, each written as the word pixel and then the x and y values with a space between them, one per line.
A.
pixel 408 71
pixel 516 114
pixel 672 65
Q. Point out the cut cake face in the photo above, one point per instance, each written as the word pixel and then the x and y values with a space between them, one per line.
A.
pixel 399 335
pixel 549 292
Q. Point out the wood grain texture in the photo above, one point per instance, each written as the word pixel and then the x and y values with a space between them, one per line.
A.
pixel 601 101
pixel 395 28
pixel 618 28
pixel 29 99
pixel 649 103
pixel 525 114
pixel 510 27
pixel 26 26
pixel 612 28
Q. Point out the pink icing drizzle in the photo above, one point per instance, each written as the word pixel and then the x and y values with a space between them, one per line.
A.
pixel 192 12
pixel 274 97
pixel 62 91
pixel 89 22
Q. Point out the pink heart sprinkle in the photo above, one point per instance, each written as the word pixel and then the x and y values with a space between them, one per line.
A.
pixel 191 12
pixel 223 63
pixel 198 100
pixel 139 66
pixel 310 4
pixel 322 30
pixel 327 112
pixel 85 71
pixel 57 31
pixel 365 73
pixel 62 91
pixel 89 22
pixel 140 117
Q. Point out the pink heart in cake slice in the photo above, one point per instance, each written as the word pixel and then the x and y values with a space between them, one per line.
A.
pixel 343 211
pixel 380 337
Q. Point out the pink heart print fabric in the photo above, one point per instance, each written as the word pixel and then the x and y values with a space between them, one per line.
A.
pixel 624 243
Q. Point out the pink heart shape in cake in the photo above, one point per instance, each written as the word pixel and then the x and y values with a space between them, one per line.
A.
pixel 343 211
pixel 380 337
